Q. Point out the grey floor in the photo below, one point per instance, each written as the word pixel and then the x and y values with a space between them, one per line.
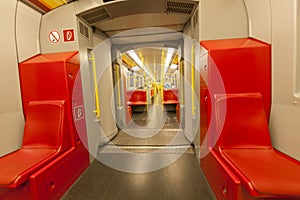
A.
pixel 182 179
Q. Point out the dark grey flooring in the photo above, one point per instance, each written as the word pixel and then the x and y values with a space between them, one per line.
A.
pixel 139 137
pixel 183 179
pixel 154 117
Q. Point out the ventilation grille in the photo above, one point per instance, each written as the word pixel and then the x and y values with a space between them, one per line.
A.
pixel 186 8
pixel 84 30
pixel 96 15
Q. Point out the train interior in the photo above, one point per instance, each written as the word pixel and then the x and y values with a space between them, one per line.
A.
pixel 161 99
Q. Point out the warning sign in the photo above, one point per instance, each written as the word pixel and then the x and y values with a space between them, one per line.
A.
pixel 54 36
pixel 69 35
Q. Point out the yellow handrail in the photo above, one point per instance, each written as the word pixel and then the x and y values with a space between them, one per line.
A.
pixel 162 76
pixel 118 84
pixel 181 70
pixel 193 79
pixel 97 111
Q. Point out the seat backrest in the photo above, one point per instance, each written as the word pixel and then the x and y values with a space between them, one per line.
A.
pixel 170 95
pixel 44 124
pixel 140 95
pixel 245 123
pixel 129 96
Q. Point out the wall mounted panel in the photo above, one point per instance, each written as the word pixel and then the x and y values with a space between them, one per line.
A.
pixel 11 115
pixel 259 16
pixel 27 26
pixel 222 19
pixel 285 112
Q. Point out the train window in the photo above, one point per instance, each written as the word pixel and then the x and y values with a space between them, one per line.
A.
pixel 140 82
pixel 297 72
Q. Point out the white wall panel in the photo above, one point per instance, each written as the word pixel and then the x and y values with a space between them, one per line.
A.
pixel 259 14
pixel 58 20
pixel 285 112
pixel 11 115
pixel 283 50
pixel 98 129
pixel 284 128
pixel 221 19
pixel 89 105
pixel 27 31
pixel 11 131
pixel 188 122
pixel 297 75
pixel 105 89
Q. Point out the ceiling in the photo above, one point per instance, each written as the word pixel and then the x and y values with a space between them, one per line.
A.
pixel 150 28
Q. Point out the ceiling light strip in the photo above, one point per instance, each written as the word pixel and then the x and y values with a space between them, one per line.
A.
pixel 39 5
pixel 53 3
pixel 138 61
pixel 169 56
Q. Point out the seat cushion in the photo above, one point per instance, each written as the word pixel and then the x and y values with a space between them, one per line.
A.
pixel 136 103
pixel 17 166
pixel 265 172
pixel 171 102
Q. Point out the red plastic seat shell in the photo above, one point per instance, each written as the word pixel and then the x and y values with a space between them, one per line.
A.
pixel 270 174
pixel 170 96
pixel 45 124
pixel 16 167
pixel 42 141
pixel 245 145
pixel 245 124
pixel 136 97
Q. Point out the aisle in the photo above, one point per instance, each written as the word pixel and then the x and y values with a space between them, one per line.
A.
pixel 145 164
pixel 179 181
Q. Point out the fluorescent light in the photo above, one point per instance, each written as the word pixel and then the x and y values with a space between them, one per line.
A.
pixel 168 58
pixel 135 57
pixel 138 61
pixel 135 68
pixel 174 66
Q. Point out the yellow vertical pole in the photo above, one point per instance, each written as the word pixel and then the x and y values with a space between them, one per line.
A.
pixel 97 110
pixel 193 78
pixel 118 84
pixel 155 83
pixel 181 68
pixel 162 76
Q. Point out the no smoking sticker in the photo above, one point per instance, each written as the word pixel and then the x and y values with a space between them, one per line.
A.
pixel 54 37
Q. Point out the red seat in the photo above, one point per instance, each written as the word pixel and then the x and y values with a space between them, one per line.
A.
pixel 245 124
pixel 137 97
pixel 170 96
pixel 264 172
pixel 43 135
pixel 245 145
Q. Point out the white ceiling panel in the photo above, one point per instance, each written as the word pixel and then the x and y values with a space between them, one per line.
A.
pixel 143 20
